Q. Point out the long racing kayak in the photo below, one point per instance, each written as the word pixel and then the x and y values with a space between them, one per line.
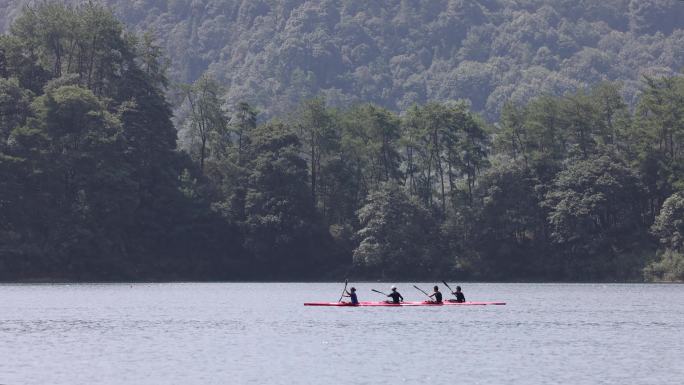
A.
pixel 407 303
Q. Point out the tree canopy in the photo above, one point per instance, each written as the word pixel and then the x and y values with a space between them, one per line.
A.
pixel 583 183
pixel 393 53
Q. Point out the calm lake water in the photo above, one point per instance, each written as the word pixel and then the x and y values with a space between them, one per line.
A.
pixel 256 333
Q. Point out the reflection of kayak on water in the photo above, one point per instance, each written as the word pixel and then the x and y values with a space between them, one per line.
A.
pixel 408 303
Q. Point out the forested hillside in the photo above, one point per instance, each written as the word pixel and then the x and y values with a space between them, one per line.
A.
pixel 274 53
pixel 94 184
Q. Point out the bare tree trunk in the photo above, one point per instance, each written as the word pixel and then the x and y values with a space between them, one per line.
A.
pixel 202 154
pixel 313 170
pixel 409 157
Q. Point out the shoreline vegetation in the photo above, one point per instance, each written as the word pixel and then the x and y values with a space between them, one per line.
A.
pixel 108 172
pixel 49 281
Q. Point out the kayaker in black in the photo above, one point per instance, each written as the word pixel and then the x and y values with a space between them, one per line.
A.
pixel 437 295
pixel 352 296
pixel 459 294
pixel 396 297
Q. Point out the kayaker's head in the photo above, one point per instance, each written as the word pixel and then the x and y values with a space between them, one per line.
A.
pixel 458 288
pixel 353 289
pixel 393 288
pixel 436 288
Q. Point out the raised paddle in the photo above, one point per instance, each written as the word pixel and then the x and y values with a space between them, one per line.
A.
pixel 343 290
pixel 448 287
pixel 378 291
pixel 421 290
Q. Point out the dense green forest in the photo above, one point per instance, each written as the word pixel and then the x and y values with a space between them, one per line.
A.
pixel 95 185
pixel 396 53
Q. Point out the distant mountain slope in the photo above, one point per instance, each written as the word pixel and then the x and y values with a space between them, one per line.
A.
pixel 272 53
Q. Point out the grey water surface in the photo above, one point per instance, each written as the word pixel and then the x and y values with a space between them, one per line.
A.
pixel 260 333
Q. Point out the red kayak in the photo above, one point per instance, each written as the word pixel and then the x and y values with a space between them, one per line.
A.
pixel 408 303
pixel 349 304
pixel 472 303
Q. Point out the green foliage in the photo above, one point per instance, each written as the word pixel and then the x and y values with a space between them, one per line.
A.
pixel 370 137
pixel 77 185
pixel 669 228
pixel 14 107
pixel 668 268
pixel 398 237
pixel 445 145
pixel 564 186
pixel 661 117
pixel 509 231
pixel 318 136
pixel 280 218
pixel 595 213
pixel 669 224
pixel 394 54
pixel 91 166
pixel 208 134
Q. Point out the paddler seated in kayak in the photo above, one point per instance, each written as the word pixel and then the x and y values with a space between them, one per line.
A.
pixel 437 295
pixel 396 297
pixel 459 295
pixel 352 296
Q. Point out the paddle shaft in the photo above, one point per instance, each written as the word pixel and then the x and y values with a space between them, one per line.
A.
pixel 449 287
pixel 378 291
pixel 421 290
pixel 343 290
